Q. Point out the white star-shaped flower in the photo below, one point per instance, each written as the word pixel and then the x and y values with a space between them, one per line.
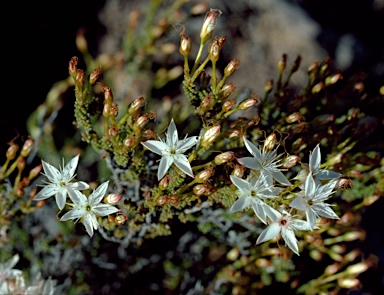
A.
pixel 60 182
pixel 312 203
pixel 87 209
pixel 267 162
pixel 252 194
pixel 171 151
pixel 314 167
pixel 285 224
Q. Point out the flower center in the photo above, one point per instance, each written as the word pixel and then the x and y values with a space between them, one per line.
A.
pixel 88 208
pixel 253 193
pixel 172 152
pixel 283 221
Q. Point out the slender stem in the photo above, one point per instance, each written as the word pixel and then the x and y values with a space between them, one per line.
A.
pixel 197 60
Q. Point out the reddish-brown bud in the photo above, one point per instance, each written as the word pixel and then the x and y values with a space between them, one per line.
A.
pixel 21 164
pixel 35 172
pixel 296 64
pixel 174 201
pixel 214 51
pixel 238 171
pixel 79 80
pixel 210 135
pixel 249 102
pixel 200 189
pixel 120 219
pixel 12 151
pixel 209 24
pixel 149 134
pixel 108 96
pixel 27 147
pixel 94 76
pixel 112 199
pixel 163 184
pixel 185 45
pixel 135 105
pixel 72 67
pixel 312 69
pixel 282 63
pixel 227 90
pixel 268 86
pixel 290 161
pixel 270 142
pixel 142 121
pixel 129 143
pixel 232 66
pixel 227 106
pixel 112 131
pixel 204 175
pixel 224 158
pixel 295 117
pixel 343 183
pixel 163 200
pixel 113 110
pixel 330 80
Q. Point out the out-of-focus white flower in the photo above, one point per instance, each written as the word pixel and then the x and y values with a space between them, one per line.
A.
pixel 87 209
pixel 312 203
pixel 171 151
pixel 284 223
pixel 60 182
pixel 267 162
pixel 7 272
pixel 252 194
pixel 314 167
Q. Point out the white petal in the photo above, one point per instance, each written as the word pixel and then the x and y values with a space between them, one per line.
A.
pixel 272 213
pixel 51 172
pixel 280 177
pixel 104 209
pixel 311 217
pixel 61 197
pixel 240 204
pixel 250 162
pixel 327 174
pixel 290 239
pixel 79 185
pixel 299 203
pixel 259 211
pixel 90 223
pixel 252 148
pixel 270 232
pixel 156 146
pixel 325 211
pixel 183 164
pixel 75 213
pixel 241 184
pixel 186 144
pixel 70 168
pixel 310 187
pixel 300 224
pixel 77 197
pixel 172 135
pixel 96 196
pixel 47 191
pixel 315 159
pixel 165 163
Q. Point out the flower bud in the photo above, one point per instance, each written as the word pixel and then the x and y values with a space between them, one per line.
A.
pixel 232 66
pixel 227 106
pixel 12 151
pixel 249 102
pixel 381 90
pixel 282 63
pixel 332 268
pixel 224 158
pixel 185 45
pixel 27 147
pixel 214 51
pixel 233 134
pixel 268 86
pixel 72 67
pixel 290 161
pixel 318 87
pixel 108 96
pixel 204 175
pixel 163 200
pixel 142 121
pixel 209 24
pixel 210 190
pixel 113 110
pixel 120 219
pixel 238 171
pixel 40 204
pixel 270 142
pixel 79 80
pixel 227 90
pixel 348 283
pixel 149 134
pixel 129 143
pixel 343 183
pixel 112 131
pixel 94 76
pixel 135 105
pixel 174 201
pixel 210 135
pixel 81 42
pixel 359 87
pixel 112 199
pixel 312 69
pixel 323 119
pixel 296 64
pixel 35 172
pixel 163 184
pixel 200 189
pixel 330 80
pixel 21 164
pixel 295 117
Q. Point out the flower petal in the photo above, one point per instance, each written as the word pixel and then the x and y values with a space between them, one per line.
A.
pixel 186 144
pixel 314 159
pixel 104 209
pixel 311 217
pixel 259 211
pixel 183 164
pixel 96 196
pixel 51 172
pixel 156 146
pixel 240 204
pixel 325 211
pixel 79 185
pixel 280 177
pixel 70 168
pixel 270 232
pixel 250 162
pixel 61 197
pixel 77 197
pixel 253 149
pixel 241 184
pixel 165 163
pixel 327 174
pixel 300 224
pixel 75 213
pixel 47 191
pixel 90 223
pixel 299 203
pixel 310 187
pixel 172 135
pixel 290 239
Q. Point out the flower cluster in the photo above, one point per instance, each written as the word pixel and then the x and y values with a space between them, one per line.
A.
pixel 83 208
pixel 259 188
